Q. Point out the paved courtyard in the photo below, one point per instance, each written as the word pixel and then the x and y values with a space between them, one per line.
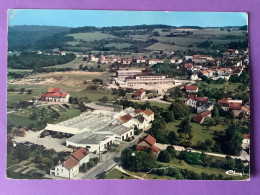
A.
pixel 48 141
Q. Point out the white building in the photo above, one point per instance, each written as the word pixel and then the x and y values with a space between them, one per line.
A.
pixel 70 167
pixel 194 77
pixel 149 79
pixel 55 95
pixel 123 73
pixel 140 60
pixel 95 142
pixel 155 61
pixel 93 58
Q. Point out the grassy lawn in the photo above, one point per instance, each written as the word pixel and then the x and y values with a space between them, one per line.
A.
pixel 199 132
pixel 116 174
pixel 23 121
pixel 93 95
pixel 227 86
pixel 161 105
pixel 42 113
pixel 18 70
pixel 180 164
pixel 118 45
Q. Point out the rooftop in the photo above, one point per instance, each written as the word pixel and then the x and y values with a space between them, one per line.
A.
pixel 89 138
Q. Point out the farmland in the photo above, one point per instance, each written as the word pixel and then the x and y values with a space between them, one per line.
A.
pixel 92 36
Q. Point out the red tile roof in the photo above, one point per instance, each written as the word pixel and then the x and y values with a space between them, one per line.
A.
pixel 191 87
pixel 201 56
pixel 137 94
pixel 125 118
pixel 188 65
pixel 223 101
pixel 52 90
pixel 137 111
pixel 142 90
pixel 80 153
pixel 246 136
pixel 235 106
pixel 198 99
pixel 201 99
pixel 70 163
pixel 148 112
pixel 150 139
pixel 199 117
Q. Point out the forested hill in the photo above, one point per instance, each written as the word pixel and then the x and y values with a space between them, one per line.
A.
pixel 26 36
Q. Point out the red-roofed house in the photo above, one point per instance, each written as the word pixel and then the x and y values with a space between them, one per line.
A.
pixel 140 60
pixel 188 66
pixel 140 94
pixel 193 99
pixel 191 88
pixel 82 155
pixel 125 118
pixel 246 139
pixel 229 104
pixel 70 167
pixel 149 115
pixel 207 73
pixel 225 71
pixel 55 95
pixel 147 142
pixel 127 61
pixel 199 118
pixel 235 107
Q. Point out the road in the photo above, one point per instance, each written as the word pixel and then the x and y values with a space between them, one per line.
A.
pixel 109 160
pixel 243 155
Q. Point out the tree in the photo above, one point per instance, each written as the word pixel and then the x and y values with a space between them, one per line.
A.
pixel 29 91
pixel 164 156
pixel 171 151
pixel 233 140
pixel 104 99
pixel 185 127
pixel 172 138
pixel 22 153
pixel 38 158
pixel 179 109
pixel 22 90
pixel 176 93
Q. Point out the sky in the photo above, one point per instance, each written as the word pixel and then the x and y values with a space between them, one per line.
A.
pixel 98 18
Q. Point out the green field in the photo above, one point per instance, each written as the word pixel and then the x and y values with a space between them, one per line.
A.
pixel 118 45
pixel 199 132
pixel 161 105
pixel 180 164
pixel 227 86
pixel 91 36
pixel 43 113
pixel 18 70
pixel 116 174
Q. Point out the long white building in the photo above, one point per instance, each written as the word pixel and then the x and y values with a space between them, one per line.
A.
pixel 149 79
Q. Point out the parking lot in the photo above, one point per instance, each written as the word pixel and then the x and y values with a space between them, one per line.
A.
pixel 48 142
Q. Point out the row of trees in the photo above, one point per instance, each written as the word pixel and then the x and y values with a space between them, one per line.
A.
pixel 31 60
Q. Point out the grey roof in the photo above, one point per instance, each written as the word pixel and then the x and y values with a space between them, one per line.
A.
pixel 115 129
pixel 88 122
pixel 89 138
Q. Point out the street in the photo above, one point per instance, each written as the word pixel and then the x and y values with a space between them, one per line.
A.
pixel 109 160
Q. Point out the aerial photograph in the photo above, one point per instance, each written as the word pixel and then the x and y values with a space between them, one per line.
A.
pixel 144 95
